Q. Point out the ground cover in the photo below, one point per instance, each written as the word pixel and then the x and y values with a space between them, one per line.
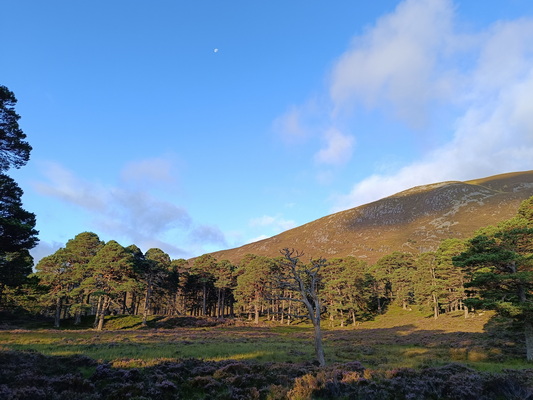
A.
pixel 401 355
pixel 399 339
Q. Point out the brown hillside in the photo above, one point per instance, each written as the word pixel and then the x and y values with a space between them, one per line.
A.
pixel 417 220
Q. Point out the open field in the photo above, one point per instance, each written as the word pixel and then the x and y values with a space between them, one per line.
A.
pixel 398 339
pixel 402 355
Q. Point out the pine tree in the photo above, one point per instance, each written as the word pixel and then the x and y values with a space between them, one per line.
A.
pixel 51 271
pixel 17 226
pixel 348 289
pixel 112 274
pixel 225 281
pixel 499 263
pixel 203 268
pixel 395 273
pixel 155 273
pixel 79 252
pixel 253 279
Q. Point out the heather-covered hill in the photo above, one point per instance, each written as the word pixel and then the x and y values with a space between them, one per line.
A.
pixel 417 219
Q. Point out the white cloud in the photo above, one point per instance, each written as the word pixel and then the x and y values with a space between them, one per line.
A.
pixel 492 131
pixel 140 214
pixel 257 239
pixel 130 213
pixel 150 171
pixel 300 123
pixel 398 66
pixel 208 234
pixel 65 185
pixel 44 249
pixel 338 150
pixel 289 125
pixel 393 63
pixel 278 223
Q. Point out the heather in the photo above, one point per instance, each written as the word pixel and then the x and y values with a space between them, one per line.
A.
pixel 30 375
pixel 400 355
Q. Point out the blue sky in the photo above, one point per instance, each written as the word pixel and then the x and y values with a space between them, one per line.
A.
pixel 198 126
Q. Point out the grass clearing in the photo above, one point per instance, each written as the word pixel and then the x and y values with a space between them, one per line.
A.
pixel 404 339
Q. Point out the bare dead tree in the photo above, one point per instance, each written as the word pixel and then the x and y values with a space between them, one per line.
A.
pixel 303 279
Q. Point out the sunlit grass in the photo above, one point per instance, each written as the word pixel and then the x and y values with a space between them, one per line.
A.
pixel 216 344
pixel 414 340
pixel 257 355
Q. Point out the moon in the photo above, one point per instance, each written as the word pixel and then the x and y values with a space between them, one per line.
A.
pixel 215 50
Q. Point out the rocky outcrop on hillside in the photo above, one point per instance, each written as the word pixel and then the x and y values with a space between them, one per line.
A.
pixel 415 220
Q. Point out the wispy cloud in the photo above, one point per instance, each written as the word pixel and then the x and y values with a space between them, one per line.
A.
pixel 267 226
pixel 63 184
pixel 44 249
pixel 257 239
pixel 275 222
pixel 393 63
pixel 150 171
pixel 418 68
pixel 126 211
pixel 207 234
pixel 290 125
pixel 491 132
pixel 338 150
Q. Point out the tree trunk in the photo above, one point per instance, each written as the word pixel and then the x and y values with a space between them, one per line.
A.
pixel 124 302
pixel 256 307
pixel 105 306
pixel 528 330
pixel 222 313
pixel 219 303
pixel 319 349
pixel 77 314
pixel 57 318
pixel 97 313
pixel 204 301
pixel 147 296
pixel 314 315
pixel 77 318
pixel 377 297
pixel 435 307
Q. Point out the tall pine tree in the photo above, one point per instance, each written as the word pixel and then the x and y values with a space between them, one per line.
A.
pixel 499 263
pixel 17 226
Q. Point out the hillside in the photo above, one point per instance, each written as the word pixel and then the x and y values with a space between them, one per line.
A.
pixel 416 219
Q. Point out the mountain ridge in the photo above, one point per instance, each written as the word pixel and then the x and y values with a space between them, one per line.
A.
pixel 416 220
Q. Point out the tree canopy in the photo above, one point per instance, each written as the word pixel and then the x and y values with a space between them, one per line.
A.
pixel 499 264
pixel 14 150
pixel 17 226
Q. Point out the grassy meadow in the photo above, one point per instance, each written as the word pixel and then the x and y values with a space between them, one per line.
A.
pixel 395 340
pixel 399 355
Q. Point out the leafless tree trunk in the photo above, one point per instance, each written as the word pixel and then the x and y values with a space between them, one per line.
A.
pixel 304 280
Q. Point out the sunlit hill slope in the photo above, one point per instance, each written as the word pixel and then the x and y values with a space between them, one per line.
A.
pixel 414 220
